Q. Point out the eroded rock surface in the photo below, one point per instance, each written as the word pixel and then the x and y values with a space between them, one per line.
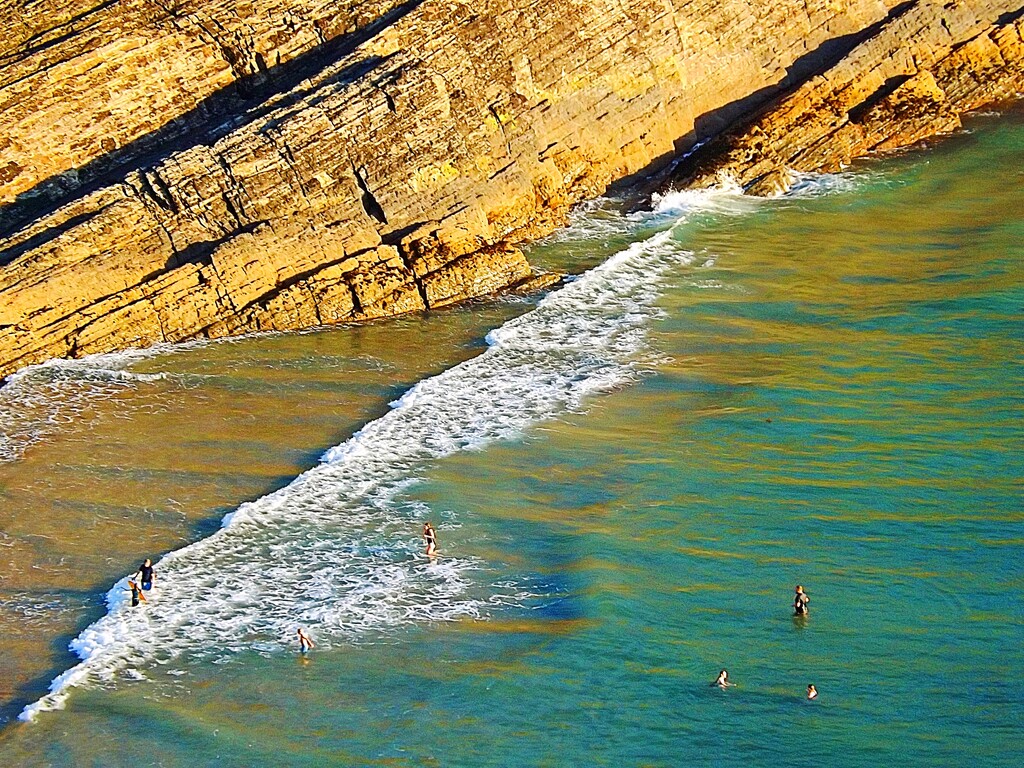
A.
pixel 173 168
pixel 911 79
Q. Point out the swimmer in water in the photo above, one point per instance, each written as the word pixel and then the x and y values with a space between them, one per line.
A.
pixel 304 642
pixel 812 692
pixel 136 593
pixel 430 538
pixel 146 573
pixel 722 681
pixel 800 601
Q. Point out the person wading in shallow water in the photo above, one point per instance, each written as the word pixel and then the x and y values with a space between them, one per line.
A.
pixel 430 538
pixel 722 681
pixel 136 593
pixel 145 575
pixel 800 601
pixel 304 642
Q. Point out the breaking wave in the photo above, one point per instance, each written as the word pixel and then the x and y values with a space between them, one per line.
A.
pixel 332 551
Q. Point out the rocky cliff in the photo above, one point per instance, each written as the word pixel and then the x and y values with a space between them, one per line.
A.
pixel 911 79
pixel 174 169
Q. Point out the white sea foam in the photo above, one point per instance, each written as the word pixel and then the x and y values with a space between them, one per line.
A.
pixel 332 551
pixel 592 221
pixel 37 400
pixel 821 184
pixel 728 198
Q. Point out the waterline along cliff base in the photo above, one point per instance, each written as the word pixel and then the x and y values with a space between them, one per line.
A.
pixel 178 170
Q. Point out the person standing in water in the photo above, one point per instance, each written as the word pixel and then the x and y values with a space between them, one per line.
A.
pixel 722 681
pixel 800 601
pixel 145 574
pixel 305 643
pixel 136 593
pixel 812 692
pixel 430 539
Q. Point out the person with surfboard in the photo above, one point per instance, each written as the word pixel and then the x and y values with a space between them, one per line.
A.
pixel 430 538
pixel 136 593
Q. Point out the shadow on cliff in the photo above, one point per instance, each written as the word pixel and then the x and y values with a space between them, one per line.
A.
pixel 687 153
pixel 254 97
pixel 244 101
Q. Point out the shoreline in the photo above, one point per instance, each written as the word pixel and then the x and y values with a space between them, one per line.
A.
pixel 1016 108
pixel 282 217
pixel 854 565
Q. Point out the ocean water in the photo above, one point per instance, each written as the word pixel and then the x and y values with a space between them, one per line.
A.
pixel 628 476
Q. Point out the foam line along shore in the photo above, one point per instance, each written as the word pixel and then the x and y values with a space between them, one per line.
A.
pixel 247 586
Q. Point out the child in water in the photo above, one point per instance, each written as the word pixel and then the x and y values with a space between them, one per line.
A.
pixel 136 593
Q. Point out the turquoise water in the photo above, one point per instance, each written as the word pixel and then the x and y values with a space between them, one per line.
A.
pixel 822 389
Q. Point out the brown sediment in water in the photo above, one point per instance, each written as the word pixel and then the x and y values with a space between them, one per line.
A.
pixel 147 469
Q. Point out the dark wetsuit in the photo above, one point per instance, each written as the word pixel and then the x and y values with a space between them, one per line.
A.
pixel 135 595
pixel 800 604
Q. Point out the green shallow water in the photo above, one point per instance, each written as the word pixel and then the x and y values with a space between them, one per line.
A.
pixel 832 397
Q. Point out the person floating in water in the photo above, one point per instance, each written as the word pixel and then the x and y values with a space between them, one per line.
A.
pixel 305 643
pixel 145 574
pixel 812 692
pixel 800 601
pixel 722 681
pixel 136 593
pixel 430 538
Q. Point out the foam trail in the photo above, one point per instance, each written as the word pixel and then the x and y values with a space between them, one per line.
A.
pixel 38 399
pixel 336 550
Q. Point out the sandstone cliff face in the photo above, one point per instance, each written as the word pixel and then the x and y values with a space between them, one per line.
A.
pixel 105 80
pixel 912 79
pixel 174 170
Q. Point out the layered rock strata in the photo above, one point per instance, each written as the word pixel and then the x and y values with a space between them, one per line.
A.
pixel 86 86
pixel 911 80
pixel 178 169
